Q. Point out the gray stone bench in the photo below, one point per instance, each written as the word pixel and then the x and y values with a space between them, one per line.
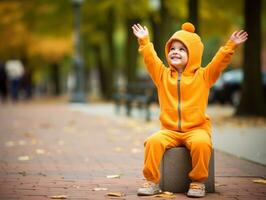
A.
pixel 175 167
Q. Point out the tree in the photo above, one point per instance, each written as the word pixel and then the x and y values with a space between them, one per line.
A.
pixel 193 16
pixel 133 13
pixel 162 23
pixel 252 101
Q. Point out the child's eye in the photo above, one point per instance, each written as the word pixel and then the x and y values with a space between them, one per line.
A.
pixel 172 49
pixel 182 49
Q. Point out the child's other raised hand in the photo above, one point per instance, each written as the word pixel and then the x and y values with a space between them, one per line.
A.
pixel 239 37
pixel 139 31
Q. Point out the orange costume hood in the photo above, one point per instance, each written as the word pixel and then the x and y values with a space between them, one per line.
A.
pixel 193 43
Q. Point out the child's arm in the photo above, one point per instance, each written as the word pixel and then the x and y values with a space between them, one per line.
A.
pixel 153 63
pixel 223 57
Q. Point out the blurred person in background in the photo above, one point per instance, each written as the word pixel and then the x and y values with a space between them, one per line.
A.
pixel 15 72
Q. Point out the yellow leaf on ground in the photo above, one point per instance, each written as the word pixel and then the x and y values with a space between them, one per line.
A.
pixel 40 151
pixel 262 181
pixel 22 142
pixel 34 141
pixel 28 134
pixel 135 150
pixel 119 149
pixel 165 194
pixel 218 184
pixel 23 158
pixel 9 144
pixel 58 197
pixel 99 189
pixel 116 194
pixel 113 176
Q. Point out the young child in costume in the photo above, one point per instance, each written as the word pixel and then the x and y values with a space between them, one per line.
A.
pixel 183 89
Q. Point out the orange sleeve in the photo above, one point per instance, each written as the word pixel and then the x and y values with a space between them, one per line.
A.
pixel 153 63
pixel 220 61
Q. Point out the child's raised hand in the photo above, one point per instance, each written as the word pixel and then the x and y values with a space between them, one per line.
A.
pixel 239 37
pixel 139 31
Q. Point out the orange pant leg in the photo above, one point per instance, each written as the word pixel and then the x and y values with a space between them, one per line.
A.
pixel 155 146
pixel 200 146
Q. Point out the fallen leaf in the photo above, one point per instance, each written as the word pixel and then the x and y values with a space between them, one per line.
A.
pixel 28 134
pixel 23 158
pixel 165 194
pixel 262 181
pixel 69 129
pixel 58 197
pixel 99 189
pixel 135 150
pixel 113 176
pixel 118 149
pixel 40 151
pixel 9 144
pixel 41 174
pixel 218 184
pixel 75 186
pixel 61 142
pixel 116 194
pixel 23 173
pixel 34 141
pixel 22 142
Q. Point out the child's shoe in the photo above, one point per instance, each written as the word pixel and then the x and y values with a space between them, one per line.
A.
pixel 196 189
pixel 149 188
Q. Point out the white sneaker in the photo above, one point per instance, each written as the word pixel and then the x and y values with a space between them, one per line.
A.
pixel 148 189
pixel 196 189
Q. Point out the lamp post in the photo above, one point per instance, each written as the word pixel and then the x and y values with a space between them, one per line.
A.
pixel 78 94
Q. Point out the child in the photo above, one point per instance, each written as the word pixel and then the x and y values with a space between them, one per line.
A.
pixel 183 90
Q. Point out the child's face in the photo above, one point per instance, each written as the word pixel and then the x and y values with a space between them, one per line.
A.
pixel 178 55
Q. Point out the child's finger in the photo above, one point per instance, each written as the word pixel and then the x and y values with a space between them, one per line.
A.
pixel 244 35
pixel 145 28
pixel 239 33
pixel 234 34
pixel 140 27
pixel 136 27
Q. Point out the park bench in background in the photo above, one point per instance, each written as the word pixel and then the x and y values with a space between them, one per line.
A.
pixel 140 95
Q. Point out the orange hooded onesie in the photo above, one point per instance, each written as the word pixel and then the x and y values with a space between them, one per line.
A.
pixel 183 100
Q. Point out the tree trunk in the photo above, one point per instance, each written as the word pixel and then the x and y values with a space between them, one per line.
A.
pixel 161 31
pixel 111 64
pixel 193 17
pixel 252 101
pixel 55 77
pixel 102 72
pixel 131 52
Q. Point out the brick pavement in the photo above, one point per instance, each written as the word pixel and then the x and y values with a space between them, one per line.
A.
pixel 66 152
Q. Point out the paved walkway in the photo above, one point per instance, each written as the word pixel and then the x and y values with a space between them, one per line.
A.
pixel 52 149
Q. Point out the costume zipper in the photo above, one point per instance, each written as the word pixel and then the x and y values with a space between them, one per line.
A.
pixel 179 101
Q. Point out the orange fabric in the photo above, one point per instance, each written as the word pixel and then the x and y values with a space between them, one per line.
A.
pixel 185 111
pixel 183 100
pixel 197 141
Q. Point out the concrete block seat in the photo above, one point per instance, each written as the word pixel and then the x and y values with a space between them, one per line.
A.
pixel 175 167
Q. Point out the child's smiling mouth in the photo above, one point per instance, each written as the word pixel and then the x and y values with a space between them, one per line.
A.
pixel 175 57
